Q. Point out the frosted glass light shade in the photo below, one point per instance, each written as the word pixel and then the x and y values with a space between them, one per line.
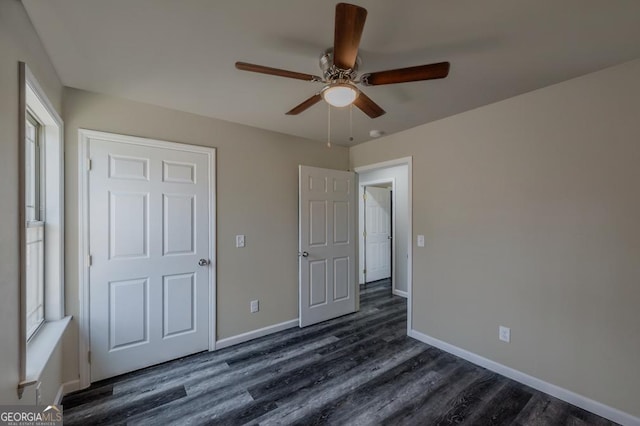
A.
pixel 340 94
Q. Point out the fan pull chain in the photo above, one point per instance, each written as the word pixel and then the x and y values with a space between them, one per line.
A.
pixel 329 126
pixel 351 123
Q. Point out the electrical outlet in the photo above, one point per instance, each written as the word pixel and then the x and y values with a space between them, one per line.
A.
pixel 38 394
pixel 239 241
pixel 420 240
pixel 255 306
pixel 504 334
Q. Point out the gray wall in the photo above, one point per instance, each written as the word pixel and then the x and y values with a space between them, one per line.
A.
pixel 257 195
pixel 18 42
pixel 531 212
pixel 401 222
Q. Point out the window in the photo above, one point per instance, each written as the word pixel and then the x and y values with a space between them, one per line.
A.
pixel 34 225
pixel 32 168
pixel 41 228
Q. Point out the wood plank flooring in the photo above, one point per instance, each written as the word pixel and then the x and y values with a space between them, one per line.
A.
pixel 359 369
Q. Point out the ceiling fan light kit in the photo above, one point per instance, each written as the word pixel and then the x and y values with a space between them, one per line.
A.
pixel 340 93
pixel 340 64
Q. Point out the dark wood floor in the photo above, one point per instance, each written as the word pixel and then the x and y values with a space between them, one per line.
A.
pixel 360 369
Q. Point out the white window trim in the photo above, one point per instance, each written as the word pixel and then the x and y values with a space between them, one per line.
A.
pixel 35 354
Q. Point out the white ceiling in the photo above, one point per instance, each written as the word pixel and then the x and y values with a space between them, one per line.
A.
pixel 181 53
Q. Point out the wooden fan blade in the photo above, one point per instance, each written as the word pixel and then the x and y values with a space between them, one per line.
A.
pixel 367 106
pixel 305 105
pixel 276 71
pixel 349 25
pixel 403 75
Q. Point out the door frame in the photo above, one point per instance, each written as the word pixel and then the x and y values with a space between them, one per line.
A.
pixel 361 237
pixel 408 161
pixel 84 164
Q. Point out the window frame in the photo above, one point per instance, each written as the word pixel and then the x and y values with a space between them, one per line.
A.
pixel 35 352
pixel 34 225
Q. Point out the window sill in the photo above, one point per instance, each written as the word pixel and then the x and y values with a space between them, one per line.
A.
pixel 40 348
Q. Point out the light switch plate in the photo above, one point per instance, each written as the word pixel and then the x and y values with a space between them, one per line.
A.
pixel 420 240
pixel 239 241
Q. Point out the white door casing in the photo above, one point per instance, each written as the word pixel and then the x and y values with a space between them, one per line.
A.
pixel 327 253
pixel 408 191
pixel 150 212
pixel 377 233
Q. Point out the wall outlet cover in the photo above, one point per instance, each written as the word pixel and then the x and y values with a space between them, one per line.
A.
pixel 255 306
pixel 504 334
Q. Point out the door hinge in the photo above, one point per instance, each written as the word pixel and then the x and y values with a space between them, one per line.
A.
pixel 364 196
pixel 89 260
pixel 89 164
pixel 364 234
pixel 89 357
pixel 364 271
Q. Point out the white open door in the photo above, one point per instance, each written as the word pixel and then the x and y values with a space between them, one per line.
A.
pixel 377 233
pixel 150 247
pixel 327 244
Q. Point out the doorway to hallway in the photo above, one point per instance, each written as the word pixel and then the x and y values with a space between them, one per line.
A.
pixel 394 175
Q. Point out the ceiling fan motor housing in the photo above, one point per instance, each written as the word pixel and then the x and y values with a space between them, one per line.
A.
pixel 333 73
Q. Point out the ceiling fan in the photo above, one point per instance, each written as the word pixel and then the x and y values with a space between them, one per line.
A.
pixel 340 65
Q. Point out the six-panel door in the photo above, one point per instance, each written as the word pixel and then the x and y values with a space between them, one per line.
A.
pixel 378 233
pixel 327 271
pixel 149 227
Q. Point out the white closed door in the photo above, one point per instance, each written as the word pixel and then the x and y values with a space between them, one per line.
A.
pixel 326 245
pixel 149 228
pixel 377 233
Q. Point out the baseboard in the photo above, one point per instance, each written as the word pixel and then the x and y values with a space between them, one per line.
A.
pixel 401 293
pixel 588 404
pixel 250 335
pixel 65 389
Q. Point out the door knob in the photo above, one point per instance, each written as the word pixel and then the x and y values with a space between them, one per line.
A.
pixel 203 262
pixel 304 254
